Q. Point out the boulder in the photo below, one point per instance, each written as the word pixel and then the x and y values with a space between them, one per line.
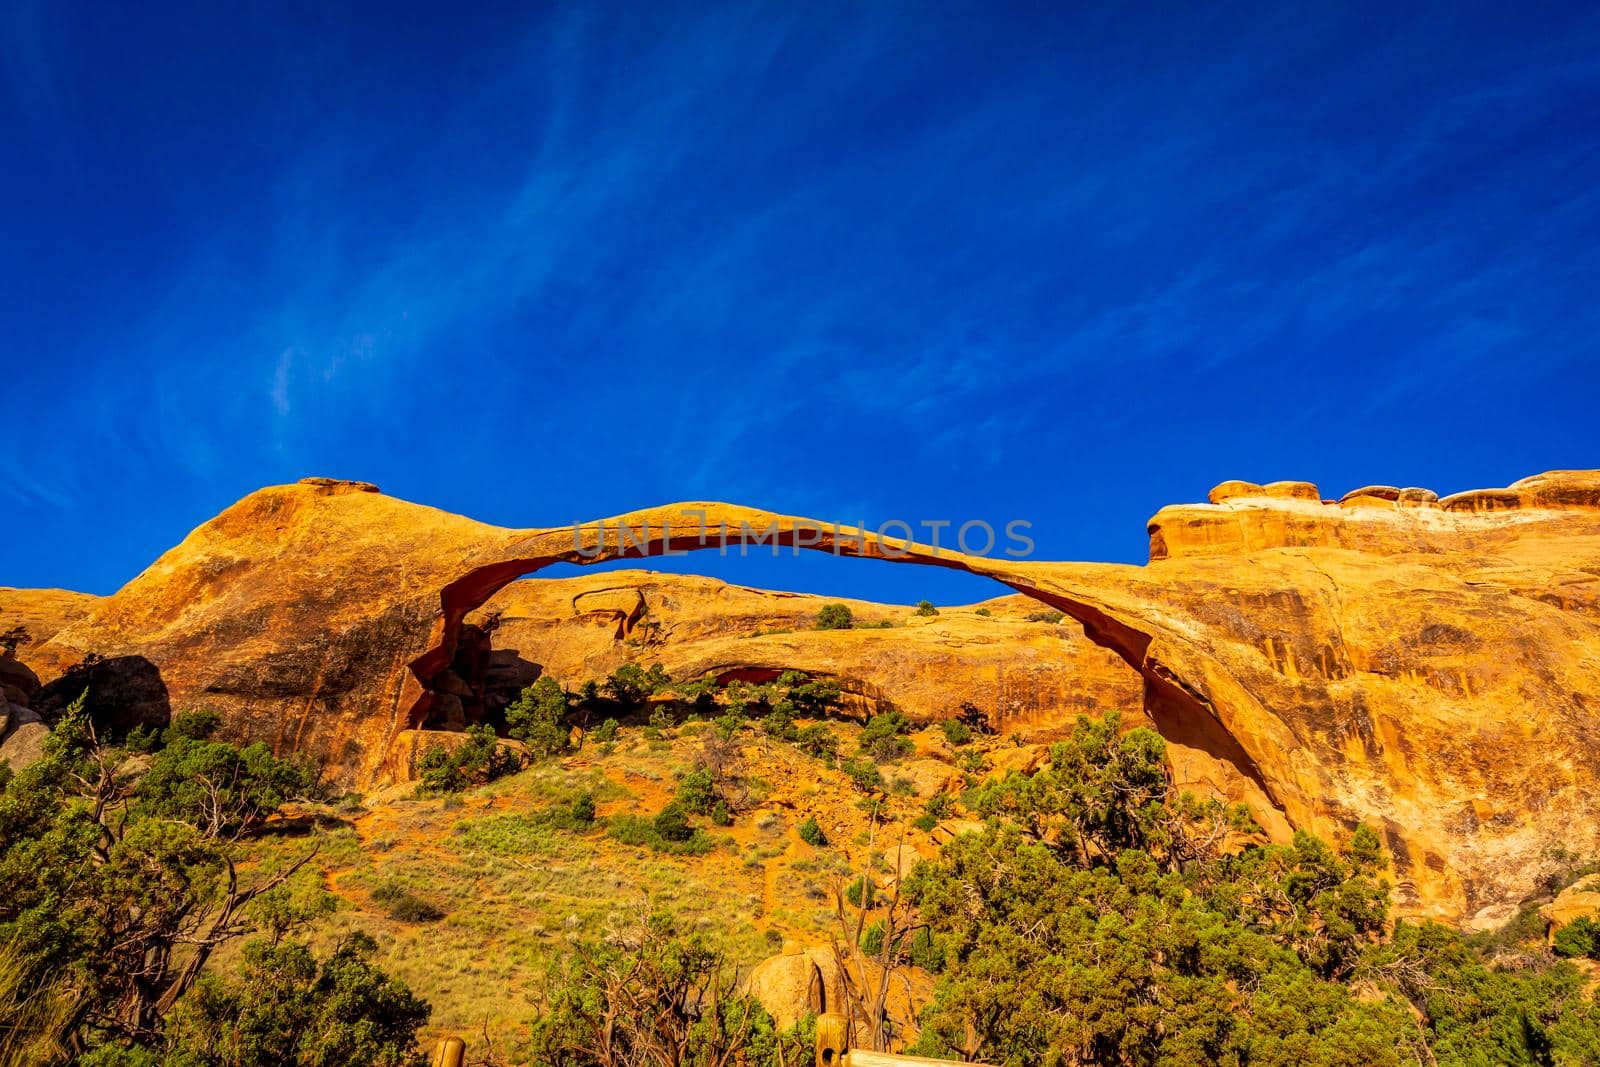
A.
pixel 16 675
pixel 1580 900
pixel 930 777
pixel 789 986
pixel 22 737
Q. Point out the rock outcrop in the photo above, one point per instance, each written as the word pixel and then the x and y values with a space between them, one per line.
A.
pixel 22 730
pixel 1580 900
pixel 1424 665
pixel 30 617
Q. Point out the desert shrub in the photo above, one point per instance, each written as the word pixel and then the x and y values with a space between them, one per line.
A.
pixel 835 617
pixel 779 722
pixel 860 893
pixel 643 832
pixel 884 737
pixel 696 791
pixel 925 608
pixel 672 823
pixel 655 997
pixel 1579 939
pixel 404 906
pixel 225 790
pixel 1093 868
pixel 583 809
pixel 886 724
pixel 863 774
pixel 112 902
pixel 193 725
pixel 925 822
pixel 481 759
pixel 720 815
pixel 985 612
pixel 1046 616
pixel 957 732
pixel 939 805
pixel 630 683
pixel 817 740
pixel 605 733
pixel 288 1007
pixel 812 834
pixel 537 718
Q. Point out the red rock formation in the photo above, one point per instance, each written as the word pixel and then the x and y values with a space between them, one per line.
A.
pixel 1425 665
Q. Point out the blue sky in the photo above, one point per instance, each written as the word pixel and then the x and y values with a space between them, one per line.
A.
pixel 1063 263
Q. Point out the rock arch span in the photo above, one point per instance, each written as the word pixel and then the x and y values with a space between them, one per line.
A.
pixel 1205 753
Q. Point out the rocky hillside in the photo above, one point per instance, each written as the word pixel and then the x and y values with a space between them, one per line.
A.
pixel 1426 666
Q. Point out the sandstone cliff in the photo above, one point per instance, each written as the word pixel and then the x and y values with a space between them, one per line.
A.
pixel 1425 665
pixel 30 617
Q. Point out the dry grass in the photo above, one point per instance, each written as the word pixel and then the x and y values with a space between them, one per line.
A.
pixel 517 885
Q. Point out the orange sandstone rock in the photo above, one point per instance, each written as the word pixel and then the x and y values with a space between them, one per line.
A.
pixel 1428 669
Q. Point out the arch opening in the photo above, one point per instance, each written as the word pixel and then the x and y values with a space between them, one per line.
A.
pixel 1180 710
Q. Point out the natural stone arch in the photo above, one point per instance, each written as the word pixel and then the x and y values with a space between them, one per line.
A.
pixel 1183 712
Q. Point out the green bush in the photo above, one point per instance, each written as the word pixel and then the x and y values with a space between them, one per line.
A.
pixel 957 732
pixel 605 733
pixel 106 891
pixel 817 740
pixel 720 815
pixel 925 822
pixel 863 774
pixel 812 834
pixel 537 718
pixel 835 617
pixel 779 722
pixel 225 790
pixel 925 607
pixel 883 737
pixel 481 759
pixel 672 823
pixel 287 1008
pixel 648 990
pixel 409 908
pixel 1578 939
pixel 697 791
pixel 985 612
pixel 630 683
pixel 1046 616
pixel 637 830
pixel 583 809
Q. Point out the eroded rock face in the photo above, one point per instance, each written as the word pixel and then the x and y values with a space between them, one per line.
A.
pixel 30 617
pixel 1424 665
pixel 1022 674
